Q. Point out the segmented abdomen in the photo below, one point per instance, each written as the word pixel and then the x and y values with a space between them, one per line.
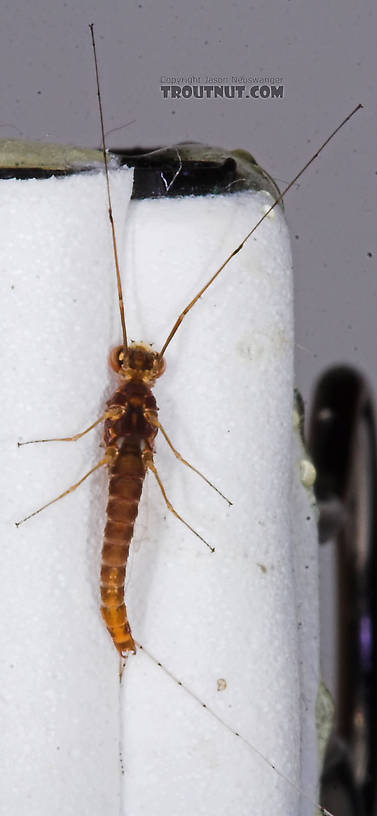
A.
pixel 126 483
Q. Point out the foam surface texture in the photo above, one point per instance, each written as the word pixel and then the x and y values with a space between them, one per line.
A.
pixel 232 626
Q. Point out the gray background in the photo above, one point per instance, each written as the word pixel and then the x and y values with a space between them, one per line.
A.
pixel 326 56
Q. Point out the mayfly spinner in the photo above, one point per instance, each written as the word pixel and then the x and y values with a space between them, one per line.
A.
pixel 130 427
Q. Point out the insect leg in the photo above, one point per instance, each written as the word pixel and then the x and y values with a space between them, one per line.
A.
pixel 149 464
pixel 107 459
pixel 153 421
pixel 112 413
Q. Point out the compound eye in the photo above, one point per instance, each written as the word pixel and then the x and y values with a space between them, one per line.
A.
pixel 161 367
pixel 116 358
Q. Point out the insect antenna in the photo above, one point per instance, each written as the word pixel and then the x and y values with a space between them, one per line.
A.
pixel 110 209
pixel 249 234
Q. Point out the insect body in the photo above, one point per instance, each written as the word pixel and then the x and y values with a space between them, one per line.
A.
pixel 129 440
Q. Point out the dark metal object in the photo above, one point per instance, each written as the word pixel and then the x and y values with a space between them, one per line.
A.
pixel 181 170
pixel 191 168
pixel 342 444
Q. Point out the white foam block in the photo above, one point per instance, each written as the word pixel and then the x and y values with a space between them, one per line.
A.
pixel 60 697
pixel 226 402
